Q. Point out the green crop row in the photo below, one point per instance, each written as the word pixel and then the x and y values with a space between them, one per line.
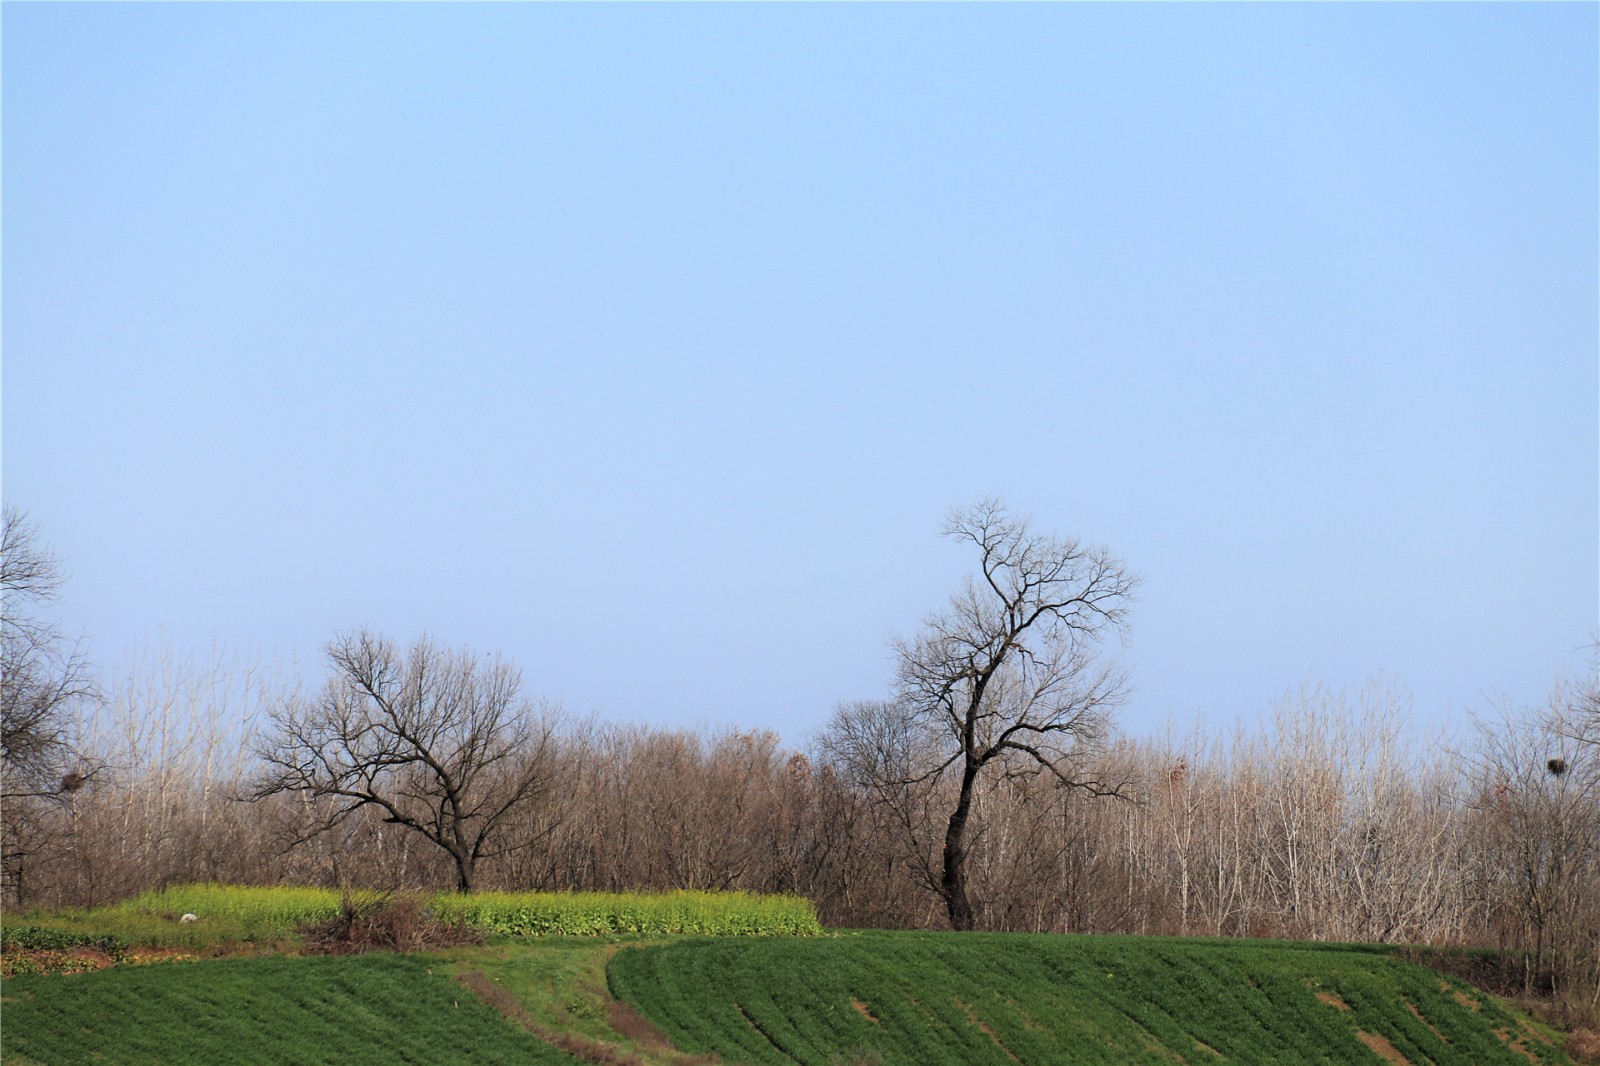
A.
pixel 370 1010
pixel 279 906
pixel 47 938
pixel 634 913
pixel 232 914
pixel 969 999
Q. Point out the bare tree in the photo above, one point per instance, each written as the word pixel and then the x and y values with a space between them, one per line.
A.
pixel 438 741
pixel 1007 676
pixel 1583 717
pixel 45 682
pixel 1535 776
pixel 42 676
pixel 886 755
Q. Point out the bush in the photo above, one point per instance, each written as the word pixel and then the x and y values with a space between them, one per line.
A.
pixel 382 923
pixel 44 938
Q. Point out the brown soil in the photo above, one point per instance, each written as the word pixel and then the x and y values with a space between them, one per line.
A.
pixel 1384 1049
pixel 636 1027
pixel 93 956
pixel 1417 1014
pixel 1332 1000
pixel 628 1023
pixel 1516 1044
pixel 979 1024
pixel 1584 1045
pixel 64 961
pixel 861 1009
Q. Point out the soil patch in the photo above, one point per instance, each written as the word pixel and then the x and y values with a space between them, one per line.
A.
pixel 1381 1045
pixel 636 1027
pixel 1584 1045
pixel 624 1019
pixel 979 1024
pixel 1516 1044
pixel 1417 1014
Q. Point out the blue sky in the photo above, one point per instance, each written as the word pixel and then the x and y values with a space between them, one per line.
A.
pixel 648 345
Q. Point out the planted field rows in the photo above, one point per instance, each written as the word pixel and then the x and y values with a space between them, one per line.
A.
pixel 371 1009
pixel 227 914
pixel 928 998
pixel 824 999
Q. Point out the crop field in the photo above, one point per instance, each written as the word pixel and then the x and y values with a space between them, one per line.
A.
pixel 277 906
pixel 369 1009
pixel 631 913
pixel 929 998
pixel 230 915
pixel 573 975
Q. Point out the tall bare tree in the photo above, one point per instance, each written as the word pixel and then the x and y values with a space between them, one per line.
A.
pixel 1536 781
pixel 439 741
pixel 1008 675
pixel 42 675
pixel 45 682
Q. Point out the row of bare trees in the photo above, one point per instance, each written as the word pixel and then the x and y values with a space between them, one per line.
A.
pixel 990 791
pixel 1324 821
pixel 1328 819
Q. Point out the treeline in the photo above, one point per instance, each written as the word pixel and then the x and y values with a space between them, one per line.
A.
pixel 1326 820
pixel 990 791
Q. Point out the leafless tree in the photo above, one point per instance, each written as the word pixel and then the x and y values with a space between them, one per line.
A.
pixel 45 683
pixel 1007 676
pixel 42 675
pixel 439 741
pixel 885 754
pixel 1582 721
pixel 1535 776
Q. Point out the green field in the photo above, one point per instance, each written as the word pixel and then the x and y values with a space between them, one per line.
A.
pixel 928 998
pixel 842 999
pixel 369 1009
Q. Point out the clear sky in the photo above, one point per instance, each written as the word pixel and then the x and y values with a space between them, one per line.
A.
pixel 648 345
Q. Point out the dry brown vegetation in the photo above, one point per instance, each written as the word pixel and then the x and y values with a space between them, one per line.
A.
pixel 1328 819
pixel 1323 824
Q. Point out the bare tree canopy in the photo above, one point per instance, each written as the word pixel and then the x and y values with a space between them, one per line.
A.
pixel 1587 700
pixel 1008 674
pixel 41 674
pixel 439 741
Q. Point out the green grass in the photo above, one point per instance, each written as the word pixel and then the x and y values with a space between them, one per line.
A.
pixel 868 997
pixel 929 998
pixel 278 906
pixel 561 984
pixel 559 989
pixel 228 916
pixel 368 1009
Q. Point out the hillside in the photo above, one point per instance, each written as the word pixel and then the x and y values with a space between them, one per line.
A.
pixel 848 999
pixel 369 1010
pixel 927 998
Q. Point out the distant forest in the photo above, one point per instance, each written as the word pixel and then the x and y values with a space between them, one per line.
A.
pixel 990 789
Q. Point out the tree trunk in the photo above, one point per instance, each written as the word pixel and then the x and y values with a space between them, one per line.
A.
pixel 953 881
pixel 466 868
